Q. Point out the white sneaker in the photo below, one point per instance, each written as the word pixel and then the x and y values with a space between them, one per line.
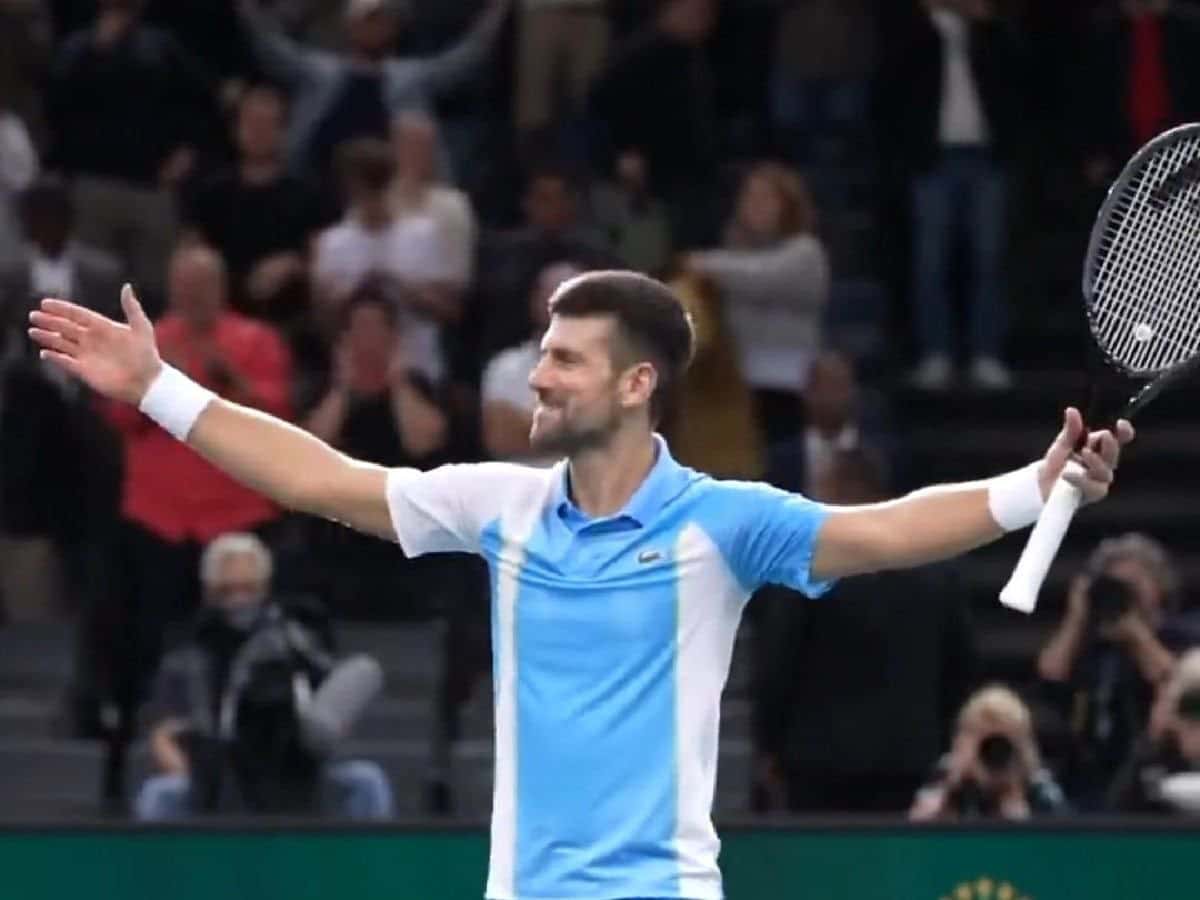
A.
pixel 933 374
pixel 990 374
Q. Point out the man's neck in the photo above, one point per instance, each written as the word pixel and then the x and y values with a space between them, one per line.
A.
pixel 260 171
pixel 830 430
pixel 603 480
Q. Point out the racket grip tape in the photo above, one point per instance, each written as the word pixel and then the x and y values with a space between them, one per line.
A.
pixel 1021 592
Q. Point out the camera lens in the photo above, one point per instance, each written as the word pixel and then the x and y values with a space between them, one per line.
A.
pixel 1109 597
pixel 996 752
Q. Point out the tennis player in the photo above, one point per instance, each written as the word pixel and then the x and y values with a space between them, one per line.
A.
pixel 618 576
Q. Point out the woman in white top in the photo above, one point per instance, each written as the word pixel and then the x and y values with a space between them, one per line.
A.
pixel 773 273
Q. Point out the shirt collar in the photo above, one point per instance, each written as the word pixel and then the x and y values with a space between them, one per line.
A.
pixel 662 483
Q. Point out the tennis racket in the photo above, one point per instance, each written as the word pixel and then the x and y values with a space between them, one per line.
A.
pixel 1141 294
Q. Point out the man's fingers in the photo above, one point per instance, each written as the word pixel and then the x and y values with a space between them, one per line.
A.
pixel 1064 444
pixel 134 314
pixel 67 363
pixel 57 324
pixel 1125 432
pixel 1096 466
pixel 52 340
pixel 74 312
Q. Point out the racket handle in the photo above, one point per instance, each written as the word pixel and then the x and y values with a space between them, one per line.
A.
pixel 1021 592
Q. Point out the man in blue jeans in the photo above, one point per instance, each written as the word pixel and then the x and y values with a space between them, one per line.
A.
pixel 197 702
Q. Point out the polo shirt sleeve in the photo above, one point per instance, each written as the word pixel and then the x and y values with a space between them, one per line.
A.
pixel 446 509
pixel 770 536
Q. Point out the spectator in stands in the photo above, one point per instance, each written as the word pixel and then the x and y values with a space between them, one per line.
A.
pixel 376 407
pixel 853 697
pixel 507 399
pixel 994 768
pixel 174 501
pixel 261 218
pixel 339 98
pixel 952 97
pixel 222 739
pixel 409 252
pixel 554 229
pixel 418 194
pixel 128 110
pixel 712 425
pixel 1136 79
pixel 633 219
pixel 832 416
pixel 657 98
pixel 18 169
pixel 26 46
pixel 773 272
pixel 1114 646
pixel 824 56
pixel 1149 781
pixel 55 482
pixel 557 40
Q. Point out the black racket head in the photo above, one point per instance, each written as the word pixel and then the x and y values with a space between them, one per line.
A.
pixel 1141 275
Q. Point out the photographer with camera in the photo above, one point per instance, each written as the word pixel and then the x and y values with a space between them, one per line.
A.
pixel 249 710
pixel 1112 649
pixel 1163 773
pixel 993 769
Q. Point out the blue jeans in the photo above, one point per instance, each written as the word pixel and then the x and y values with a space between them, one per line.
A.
pixel 356 789
pixel 963 195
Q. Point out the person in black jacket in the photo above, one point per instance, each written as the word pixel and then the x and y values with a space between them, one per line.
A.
pixel 951 98
pixel 855 693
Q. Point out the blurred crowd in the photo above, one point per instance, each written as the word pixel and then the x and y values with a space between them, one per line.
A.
pixel 351 213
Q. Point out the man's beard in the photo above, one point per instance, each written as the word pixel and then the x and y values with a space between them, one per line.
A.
pixel 568 438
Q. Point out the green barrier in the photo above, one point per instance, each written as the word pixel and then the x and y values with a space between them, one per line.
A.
pixel 832 863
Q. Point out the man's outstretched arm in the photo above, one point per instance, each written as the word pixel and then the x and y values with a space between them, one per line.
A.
pixel 269 455
pixel 941 522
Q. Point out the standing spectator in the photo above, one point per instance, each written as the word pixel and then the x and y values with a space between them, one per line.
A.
pixel 18 169
pixel 174 501
pixel 657 98
pixel 952 93
pixel 261 219
pixel 1137 79
pixel 557 38
pixel 128 110
pixel 26 46
pixel 1114 646
pixel 855 696
pixel 338 98
pixel 58 474
pixel 376 407
pixel 824 56
pixel 409 252
pixel 774 276
pixel 507 399
pixel 994 768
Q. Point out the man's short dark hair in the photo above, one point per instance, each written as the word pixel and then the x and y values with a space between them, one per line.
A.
pixel 651 322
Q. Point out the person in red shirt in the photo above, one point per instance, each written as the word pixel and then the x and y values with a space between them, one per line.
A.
pixel 173 501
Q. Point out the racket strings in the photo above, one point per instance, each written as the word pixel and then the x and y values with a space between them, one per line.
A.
pixel 1146 288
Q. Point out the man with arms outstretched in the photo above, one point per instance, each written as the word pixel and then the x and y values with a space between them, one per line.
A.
pixel 618 575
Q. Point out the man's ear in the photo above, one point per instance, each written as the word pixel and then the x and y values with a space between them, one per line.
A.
pixel 638 383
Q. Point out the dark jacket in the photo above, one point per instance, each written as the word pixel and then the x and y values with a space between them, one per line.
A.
pixel 910 88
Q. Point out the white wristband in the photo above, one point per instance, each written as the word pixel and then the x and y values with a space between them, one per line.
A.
pixel 175 402
pixel 1015 498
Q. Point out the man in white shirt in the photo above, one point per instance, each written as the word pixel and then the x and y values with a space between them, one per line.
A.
pixel 410 253
pixel 507 400
pixel 956 107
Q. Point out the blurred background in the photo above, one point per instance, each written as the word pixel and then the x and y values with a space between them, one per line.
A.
pixel 350 213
